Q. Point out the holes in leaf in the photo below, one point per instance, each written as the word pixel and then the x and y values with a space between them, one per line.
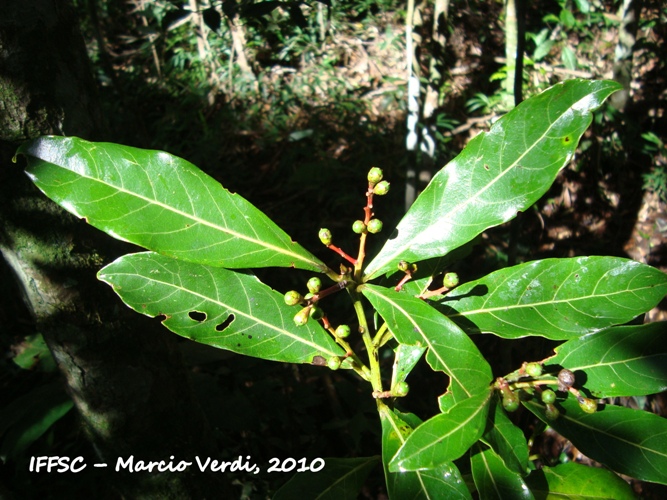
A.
pixel 197 316
pixel 225 324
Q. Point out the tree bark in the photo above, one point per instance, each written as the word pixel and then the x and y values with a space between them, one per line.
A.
pixel 126 378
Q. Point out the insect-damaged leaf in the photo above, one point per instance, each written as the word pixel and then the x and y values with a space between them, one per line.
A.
pixel 218 307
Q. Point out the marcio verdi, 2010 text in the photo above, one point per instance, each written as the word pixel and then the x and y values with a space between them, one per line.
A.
pixel 57 464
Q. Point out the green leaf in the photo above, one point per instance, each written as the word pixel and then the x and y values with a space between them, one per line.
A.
pixel 341 478
pixel 556 298
pixel 444 481
pixel 218 307
pixel 160 202
pixel 405 359
pixel 24 420
pixel 493 479
pixel 506 439
pixel 630 442
pixel 498 174
pixel 445 437
pixel 414 322
pixel 619 361
pixel 573 481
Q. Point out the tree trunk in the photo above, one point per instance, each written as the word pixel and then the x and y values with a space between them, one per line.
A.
pixel 125 377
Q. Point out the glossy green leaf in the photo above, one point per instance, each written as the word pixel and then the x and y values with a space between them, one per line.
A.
pixel 340 479
pixel 444 481
pixel 498 174
pixel 506 439
pixel 160 202
pixel 218 307
pixel 573 481
pixel 493 479
pixel 414 322
pixel 445 437
pixel 619 361
pixel 556 298
pixel 405 359
pixel 631 442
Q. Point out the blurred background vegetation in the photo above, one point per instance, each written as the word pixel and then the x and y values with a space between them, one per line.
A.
pixel 289 103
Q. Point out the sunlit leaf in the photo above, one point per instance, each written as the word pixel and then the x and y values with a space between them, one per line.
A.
pixel 160 202
pixel 444 481
pixel 405 358
pixel 498 174
pixel 619 361
pixel 493 479
pixel 218 307
pixel 506 439
pixel 445 437
pixel 573 481
pixel 340 479
pixel 556 298
pixel 414 322
pixel 631 442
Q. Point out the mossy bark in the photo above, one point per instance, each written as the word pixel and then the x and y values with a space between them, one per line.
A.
pixel 124 375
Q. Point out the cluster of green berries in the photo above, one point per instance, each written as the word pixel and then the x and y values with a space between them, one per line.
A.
pixel 311 310
pixel 565 382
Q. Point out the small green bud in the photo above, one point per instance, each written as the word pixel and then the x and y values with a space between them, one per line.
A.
pixel 401 390
pixel 293 298
pixel 308 296
pixel 381 188
pixel 588 405
pixel 316 313
pixel 359 227
pixel 533 369
pixel 548 396
pixel 403 266
pixel 374 175
pixel 374 226
pixel 551 412
pixel 301 318
pixel 334 362
pixel 565 379
pixel 314 284
pixel 450 280
pixel 510 401
pixel 343 331
pixel 325 236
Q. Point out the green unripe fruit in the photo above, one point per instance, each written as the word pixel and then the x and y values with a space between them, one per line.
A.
pixel 510 401
pixel 325 236
pixel 374 226
pixel 316 313
pixel 314 284
pixel 551 412
pixel 359 227
pixel 401 389
pixel 343 331
pixel 565 379
pixel 374 175
pixel 588 405
pixel 548 396
pixel 381 188
pixel 450 280
pixel 403 266
pixel 293 298
pixel 301 318
pixel 534 369
pixel 333 362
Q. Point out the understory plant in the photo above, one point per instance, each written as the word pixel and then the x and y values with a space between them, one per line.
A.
pixel 202 241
